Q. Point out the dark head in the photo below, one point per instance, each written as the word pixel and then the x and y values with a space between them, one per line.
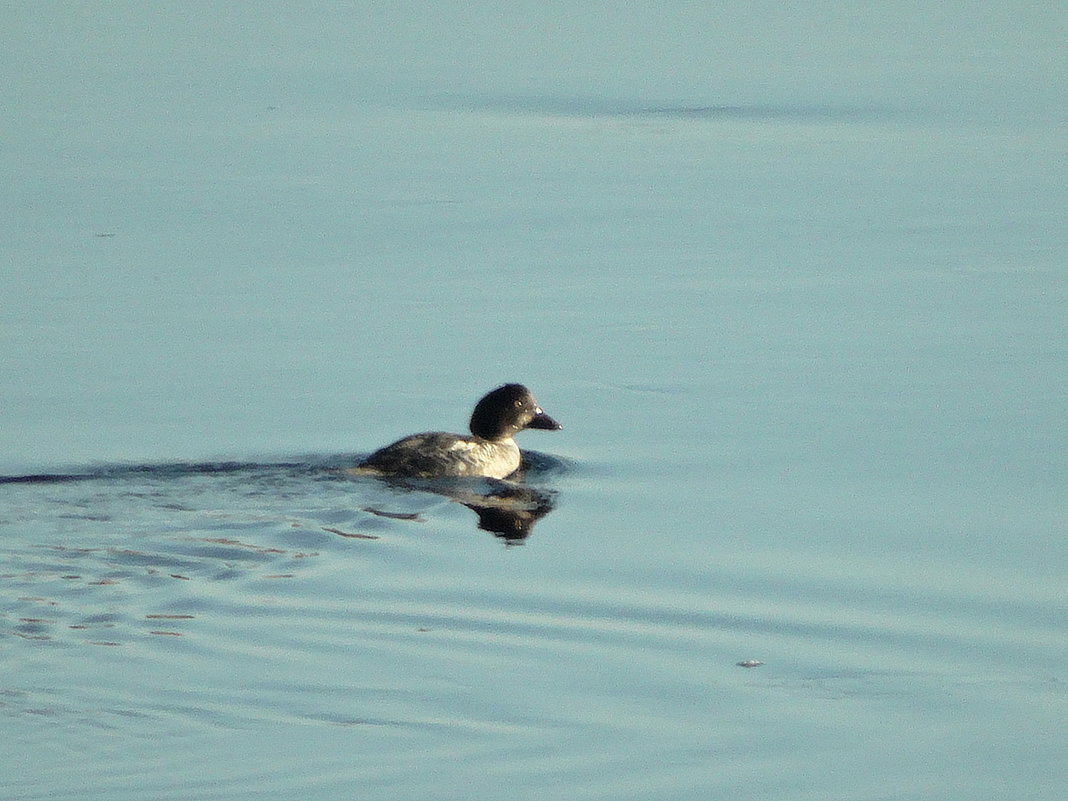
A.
pixel 506 410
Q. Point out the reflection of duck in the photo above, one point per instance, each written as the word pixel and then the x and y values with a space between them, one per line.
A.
pixel 504 508
pixel 508 510
pixel 490 451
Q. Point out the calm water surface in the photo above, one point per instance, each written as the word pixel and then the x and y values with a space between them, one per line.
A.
pixel 810 357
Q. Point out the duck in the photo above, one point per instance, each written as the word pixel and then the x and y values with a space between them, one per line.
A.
pixel 489 452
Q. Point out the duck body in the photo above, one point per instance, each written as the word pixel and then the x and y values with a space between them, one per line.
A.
pixel 490 451
pixel 436 453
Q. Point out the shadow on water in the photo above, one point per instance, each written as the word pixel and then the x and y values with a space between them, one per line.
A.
pixel 601 107
pixel 509 509
pixel 103 555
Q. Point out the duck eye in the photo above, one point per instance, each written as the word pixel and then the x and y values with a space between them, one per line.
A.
pixel 518 404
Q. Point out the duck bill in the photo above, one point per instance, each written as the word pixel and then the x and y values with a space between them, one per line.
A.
pixel 542 420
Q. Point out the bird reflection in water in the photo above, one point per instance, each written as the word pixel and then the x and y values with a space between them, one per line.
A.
pixel 505 509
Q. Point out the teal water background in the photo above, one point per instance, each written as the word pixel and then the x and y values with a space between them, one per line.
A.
pixel 794 283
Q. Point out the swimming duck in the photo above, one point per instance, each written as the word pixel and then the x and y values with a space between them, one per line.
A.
pixel 490 451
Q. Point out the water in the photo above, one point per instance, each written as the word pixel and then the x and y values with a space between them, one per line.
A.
pixel 803 323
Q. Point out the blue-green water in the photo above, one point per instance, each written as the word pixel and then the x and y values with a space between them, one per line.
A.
pixel 800 308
